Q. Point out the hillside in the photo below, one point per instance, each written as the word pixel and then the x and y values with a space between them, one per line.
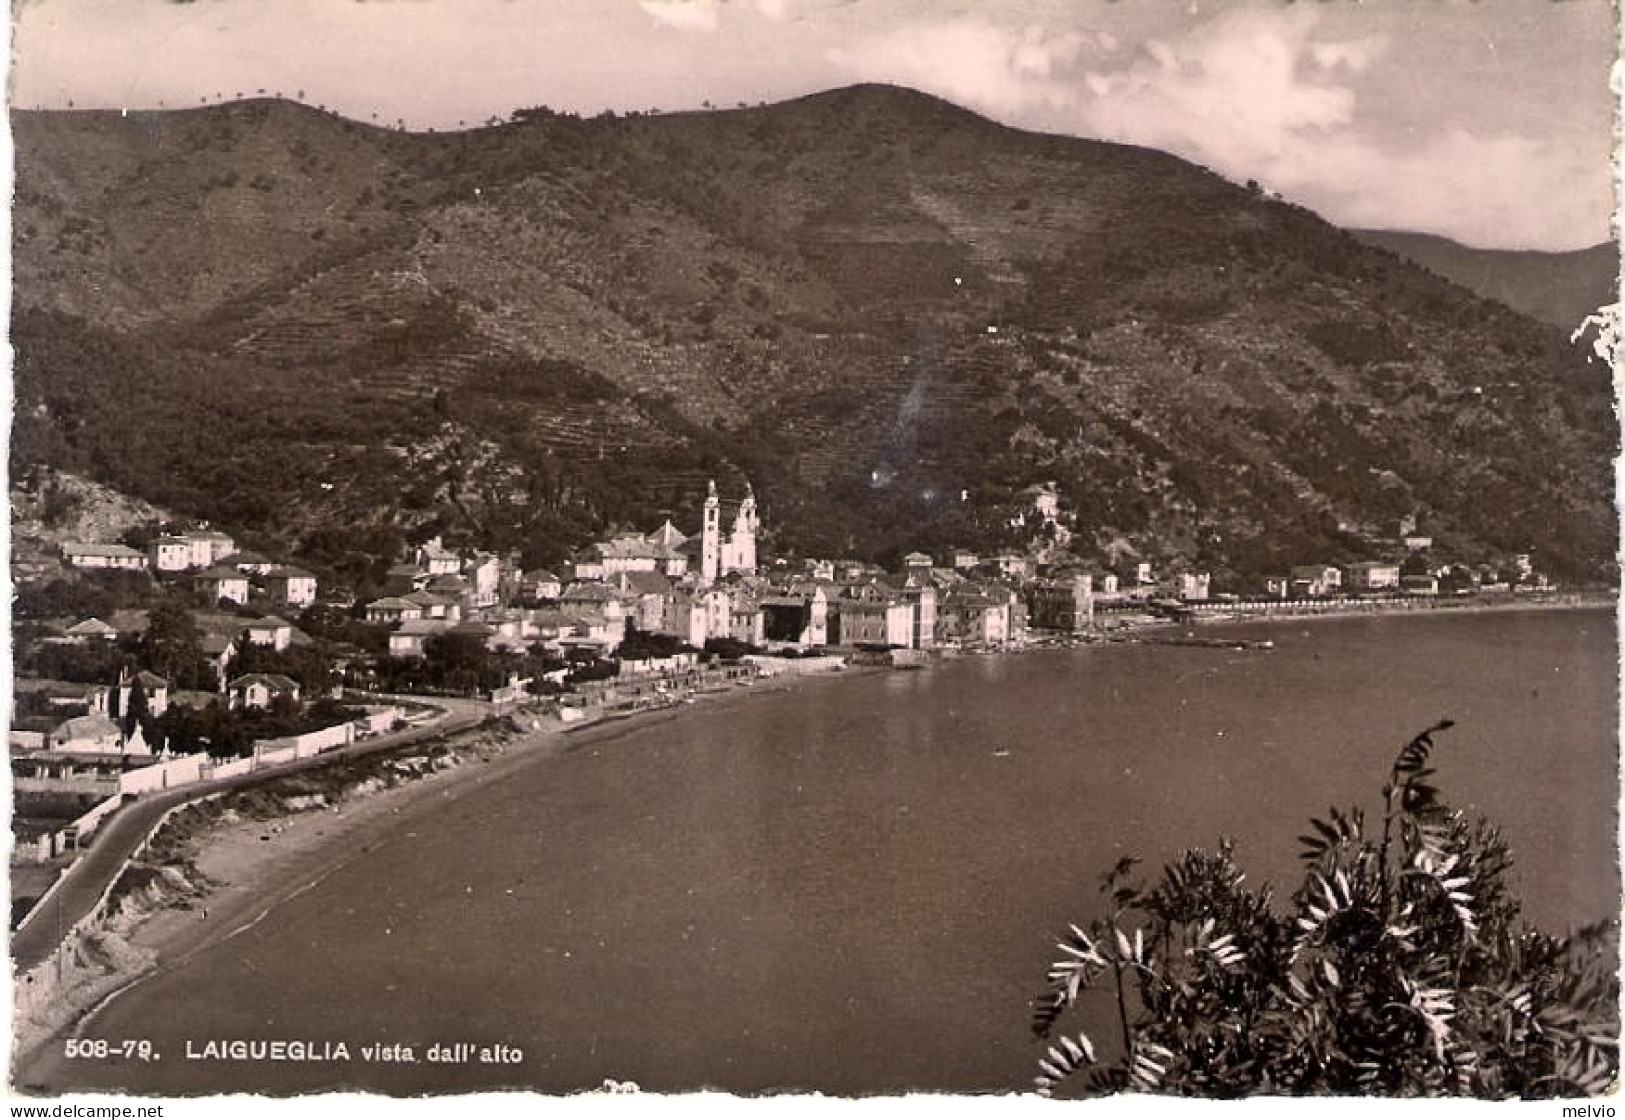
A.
pixel 888 313
pixel 49 510
pixel 1556 288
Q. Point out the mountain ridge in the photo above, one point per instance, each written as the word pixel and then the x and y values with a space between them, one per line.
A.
pixel 865 300
pixel 1560 288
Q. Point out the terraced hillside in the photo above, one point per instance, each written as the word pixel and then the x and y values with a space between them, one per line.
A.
pixel 892 315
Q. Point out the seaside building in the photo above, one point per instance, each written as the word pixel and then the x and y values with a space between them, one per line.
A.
pixel 1194 587
pixel 798 614
pixel 1373 575
pixel 873 613
pixel 1067 605
pixel 920 594
pixel 1313 580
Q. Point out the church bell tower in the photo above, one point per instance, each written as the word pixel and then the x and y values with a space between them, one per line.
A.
pixel 744 535
pixel 711 538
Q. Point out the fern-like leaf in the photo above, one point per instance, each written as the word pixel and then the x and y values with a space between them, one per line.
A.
pixel 1067 977
pixel 1413 756
pixel 1063 1060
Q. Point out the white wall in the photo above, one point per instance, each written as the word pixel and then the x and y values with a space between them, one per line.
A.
pixel 232 769
pixel 165 775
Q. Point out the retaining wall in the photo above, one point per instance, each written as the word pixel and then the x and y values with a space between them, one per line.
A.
pixel 31 991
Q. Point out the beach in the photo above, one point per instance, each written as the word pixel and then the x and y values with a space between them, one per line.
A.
pixel 230 870
pixel 239 865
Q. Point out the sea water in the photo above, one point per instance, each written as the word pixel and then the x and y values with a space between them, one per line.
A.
pixel 855 885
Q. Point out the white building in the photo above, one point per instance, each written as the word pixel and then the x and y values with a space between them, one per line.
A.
pixel 292 587
pixel 103 556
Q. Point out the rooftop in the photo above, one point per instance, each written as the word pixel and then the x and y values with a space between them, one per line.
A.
pixel 77 548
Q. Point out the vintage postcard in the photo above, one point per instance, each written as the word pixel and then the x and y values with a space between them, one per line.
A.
pixel 783 547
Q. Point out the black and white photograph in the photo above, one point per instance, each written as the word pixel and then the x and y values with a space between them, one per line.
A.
pixel 858 548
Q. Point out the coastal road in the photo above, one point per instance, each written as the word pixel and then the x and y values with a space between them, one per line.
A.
pixel 87 877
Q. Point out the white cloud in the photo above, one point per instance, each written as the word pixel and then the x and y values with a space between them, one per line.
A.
pixel 1268 92
pixel 1255 94
pixel 1233 88
pixel 1476 189
pixel 1002 71
pixel 685 15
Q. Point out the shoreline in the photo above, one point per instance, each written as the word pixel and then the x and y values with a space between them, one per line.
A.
pixel 227 871
pixel 1220 615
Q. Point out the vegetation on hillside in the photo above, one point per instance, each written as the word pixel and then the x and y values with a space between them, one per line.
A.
pixel 1398 968
pixel 891 315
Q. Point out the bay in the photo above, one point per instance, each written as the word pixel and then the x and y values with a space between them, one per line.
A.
pixel 854 885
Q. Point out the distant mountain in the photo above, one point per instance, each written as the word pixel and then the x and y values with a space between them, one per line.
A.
pixel 891 315
pixel 1556 288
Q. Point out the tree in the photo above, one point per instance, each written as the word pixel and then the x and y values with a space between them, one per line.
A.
pixel 173 648
pixel 137 712
pixel 1398 969
pixel 213 729
pixel 64 598
pixel 140 535
pixel 643 645
pixel 728 649
pixel 309 664
pixel 95 662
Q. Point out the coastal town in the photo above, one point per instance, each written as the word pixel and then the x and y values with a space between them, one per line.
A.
pixel 207 660
pixel 797 550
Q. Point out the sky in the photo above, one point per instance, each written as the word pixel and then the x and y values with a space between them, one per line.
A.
pixel 1487 121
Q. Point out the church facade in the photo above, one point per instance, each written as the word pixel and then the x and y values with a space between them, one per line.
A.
pixel 722 553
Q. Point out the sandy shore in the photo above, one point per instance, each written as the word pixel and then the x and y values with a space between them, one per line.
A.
pixel 243 866
pixel 253 865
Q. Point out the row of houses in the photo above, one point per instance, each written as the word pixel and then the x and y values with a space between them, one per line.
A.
pixel 218 572
pixel 172 552
pixel 86 719
pixel 709 586
pixel 247 692
pixel 1416 578
pixel 913 611
pixel 221 636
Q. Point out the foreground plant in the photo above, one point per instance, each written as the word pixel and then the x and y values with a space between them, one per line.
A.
pixel 1398 969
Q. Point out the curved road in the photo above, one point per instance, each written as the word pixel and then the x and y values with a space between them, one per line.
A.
pixel 87 877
